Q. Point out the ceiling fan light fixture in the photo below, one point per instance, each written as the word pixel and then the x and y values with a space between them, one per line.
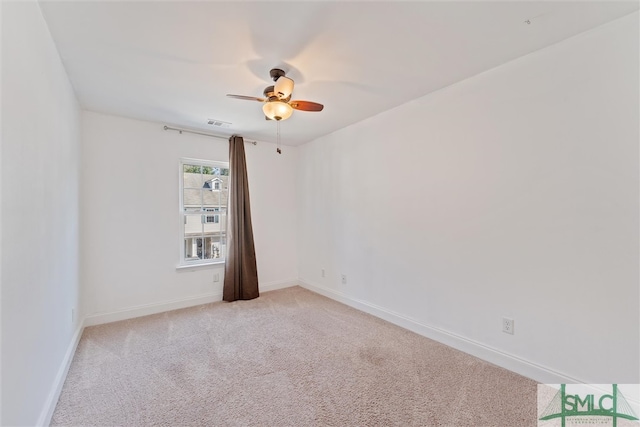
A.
pixel 283 87
pixel 277 110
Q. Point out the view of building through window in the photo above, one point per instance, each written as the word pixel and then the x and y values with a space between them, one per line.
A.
pixel 204 209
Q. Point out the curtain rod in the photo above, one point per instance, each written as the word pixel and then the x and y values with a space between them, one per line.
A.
pixel 204 134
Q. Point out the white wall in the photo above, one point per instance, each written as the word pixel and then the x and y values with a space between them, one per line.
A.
pixel 40 140
pixel 130 217
pixel 513 193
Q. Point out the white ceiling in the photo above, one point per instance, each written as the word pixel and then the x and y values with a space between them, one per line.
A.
pixel 174 62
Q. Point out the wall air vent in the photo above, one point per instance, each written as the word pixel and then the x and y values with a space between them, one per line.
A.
pixel 218 123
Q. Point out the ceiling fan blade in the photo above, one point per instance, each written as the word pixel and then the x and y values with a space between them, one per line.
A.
pixel 247 98
pixel 306 105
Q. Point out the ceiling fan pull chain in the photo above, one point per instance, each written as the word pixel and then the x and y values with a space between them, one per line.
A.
pixel 278 137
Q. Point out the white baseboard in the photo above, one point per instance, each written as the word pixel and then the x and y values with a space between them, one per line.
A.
pixel 153 308
pixel 272 286
pixel 160 307
pixel 61 376
pixel 513 363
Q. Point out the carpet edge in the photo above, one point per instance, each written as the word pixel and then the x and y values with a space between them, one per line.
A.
pixel 152 308
pixel 56 388
pixel 176 304
pixel 487 353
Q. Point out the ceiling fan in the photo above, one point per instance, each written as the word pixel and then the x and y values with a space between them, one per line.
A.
pixel 277 101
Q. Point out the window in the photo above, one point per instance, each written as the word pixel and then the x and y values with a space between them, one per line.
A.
pixel 204 189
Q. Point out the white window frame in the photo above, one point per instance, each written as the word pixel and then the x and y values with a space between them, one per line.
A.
pixel 183 263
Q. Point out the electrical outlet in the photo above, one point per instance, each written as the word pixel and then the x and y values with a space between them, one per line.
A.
pixel 507 325
pixel 216 277
pixel 322 272
pixel 73 315
pixel 344 279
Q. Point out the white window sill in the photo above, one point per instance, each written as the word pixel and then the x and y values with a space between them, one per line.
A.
pixel 200 265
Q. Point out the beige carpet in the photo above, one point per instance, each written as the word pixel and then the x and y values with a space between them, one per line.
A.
pixel 288 358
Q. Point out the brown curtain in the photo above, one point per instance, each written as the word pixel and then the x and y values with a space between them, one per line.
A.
pixel 240 271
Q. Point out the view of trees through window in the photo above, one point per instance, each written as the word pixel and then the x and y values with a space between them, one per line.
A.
pixel 204 190
pixel 207 170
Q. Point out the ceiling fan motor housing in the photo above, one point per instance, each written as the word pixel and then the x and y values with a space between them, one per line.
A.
pixel 272 95
pixel 268 92
pixel 276 73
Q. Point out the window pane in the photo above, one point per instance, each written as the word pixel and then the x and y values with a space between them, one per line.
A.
pixel 191 169
pixel 192 200
pixel 192 176
pixel 192 226
pixel 211 224
pixel 211 250
pixel 214 247
pixel 211 199
pixel 215 189
pixel 192 249
pixel 199 247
